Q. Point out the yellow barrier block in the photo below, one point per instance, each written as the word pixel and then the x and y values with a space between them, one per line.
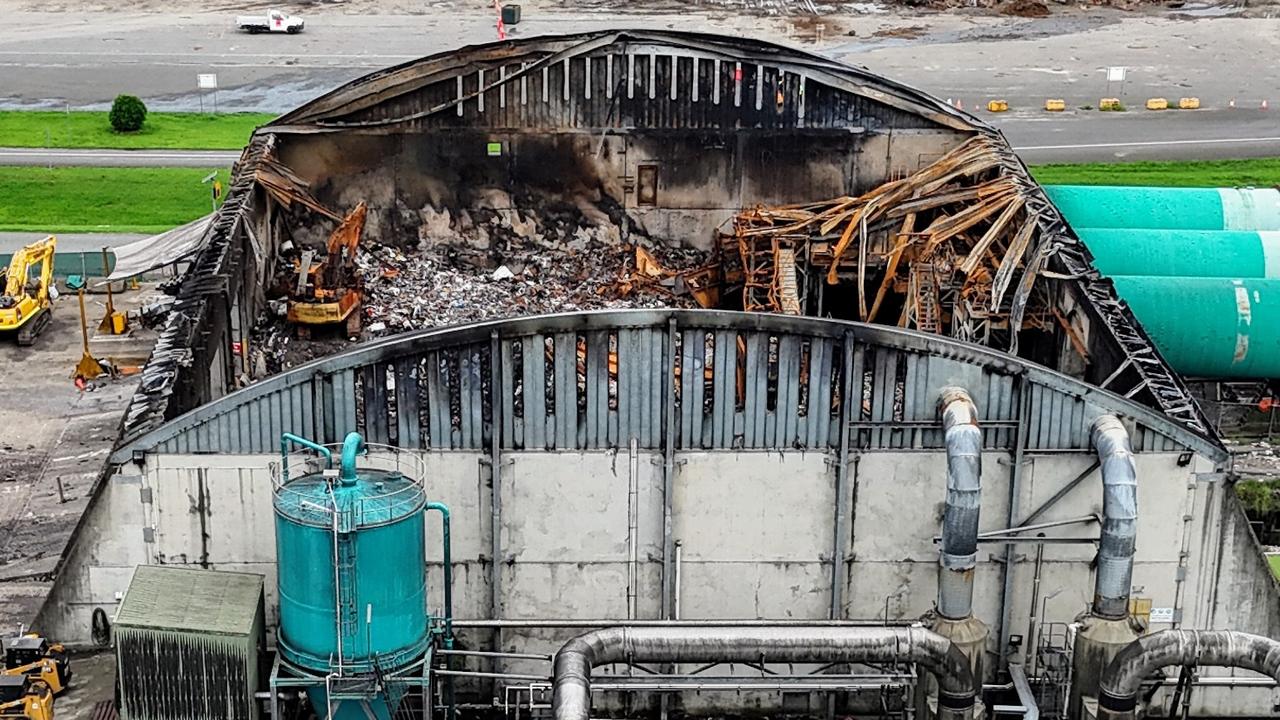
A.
pixel 997 106
pixel 1157 104
pixel 1189 104
pixel 1055 105
pixel 1109 104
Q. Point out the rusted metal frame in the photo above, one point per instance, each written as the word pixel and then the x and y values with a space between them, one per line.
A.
pixel 1168 390
pixel 852 358
pixel 424 341
pixel 976 253
pixel 1012 259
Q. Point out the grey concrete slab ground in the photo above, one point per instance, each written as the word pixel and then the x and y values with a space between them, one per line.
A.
pixel 54 157
pixel 54 441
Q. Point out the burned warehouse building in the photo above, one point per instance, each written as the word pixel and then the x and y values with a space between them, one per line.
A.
pixel 790 371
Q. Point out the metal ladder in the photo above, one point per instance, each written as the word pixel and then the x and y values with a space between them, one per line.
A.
pixel 925 298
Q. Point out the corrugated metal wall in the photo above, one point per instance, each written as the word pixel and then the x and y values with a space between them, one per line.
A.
pixel 710 380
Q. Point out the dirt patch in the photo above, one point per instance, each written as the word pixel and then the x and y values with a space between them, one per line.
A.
pixel 908 32
pixel 1023 8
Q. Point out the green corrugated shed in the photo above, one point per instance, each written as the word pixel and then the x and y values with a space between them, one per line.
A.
pixel 188 643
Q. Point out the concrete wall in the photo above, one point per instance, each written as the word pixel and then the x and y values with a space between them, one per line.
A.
pixel 756 529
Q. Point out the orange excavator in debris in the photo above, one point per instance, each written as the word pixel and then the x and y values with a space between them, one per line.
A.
pixel 330 292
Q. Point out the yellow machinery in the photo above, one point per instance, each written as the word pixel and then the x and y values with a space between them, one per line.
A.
pixel 330 292
pixel 27 295
pixel 36 658
pixel 22 697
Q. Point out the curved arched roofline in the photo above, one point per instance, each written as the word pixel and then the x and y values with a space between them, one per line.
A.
pixel 382 85
pixel 385 351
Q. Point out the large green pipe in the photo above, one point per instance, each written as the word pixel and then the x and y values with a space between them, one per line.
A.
pixel 1102 206
pixel 1184 253
pixel 1210 327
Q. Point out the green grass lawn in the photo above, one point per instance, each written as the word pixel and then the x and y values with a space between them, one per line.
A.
pixel 185 131
pixel 1274 562
pixel 1264 172
pixel 79 199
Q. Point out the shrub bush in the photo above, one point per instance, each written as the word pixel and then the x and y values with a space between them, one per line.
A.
pixel 127 114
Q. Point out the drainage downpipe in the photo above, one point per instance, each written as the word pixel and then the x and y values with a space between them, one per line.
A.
pixel 964 501
pixel 1123 679
pixel 571 693
pixel 1107 628
pixel 957 559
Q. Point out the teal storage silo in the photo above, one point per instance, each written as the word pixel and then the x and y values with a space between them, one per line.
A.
pixel 1210 327
pixel 1102 206
pixel 352 570
pixel 1184 253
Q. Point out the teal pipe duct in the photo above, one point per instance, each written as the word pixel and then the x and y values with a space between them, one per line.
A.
pixel 1184 253
pixel 1210 327
pixel 352 446
pixel 448 571
pixel 1103 206
pixel 286 439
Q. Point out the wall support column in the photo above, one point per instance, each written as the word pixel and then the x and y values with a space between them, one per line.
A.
pixel 851 366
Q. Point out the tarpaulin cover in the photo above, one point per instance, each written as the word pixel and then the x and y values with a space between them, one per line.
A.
pixel 159 250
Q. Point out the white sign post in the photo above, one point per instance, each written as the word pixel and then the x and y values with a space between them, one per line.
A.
pixel 207 81
pixel 1115 74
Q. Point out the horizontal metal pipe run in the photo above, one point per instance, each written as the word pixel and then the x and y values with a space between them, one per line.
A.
pixel 491 654
pixel 577 658
pixel 1039 526
pixel 747 686
pixel 499 676
pixel 1038 540
pixel 603 623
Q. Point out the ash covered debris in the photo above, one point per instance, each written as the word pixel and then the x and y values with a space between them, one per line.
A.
pixel 481 264
pixel 503 259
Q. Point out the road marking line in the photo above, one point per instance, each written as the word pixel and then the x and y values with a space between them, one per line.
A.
pixel 1212 141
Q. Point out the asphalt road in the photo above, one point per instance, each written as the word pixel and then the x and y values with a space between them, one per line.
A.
pixel 71 59
pixel 1049 138
pixel 118 158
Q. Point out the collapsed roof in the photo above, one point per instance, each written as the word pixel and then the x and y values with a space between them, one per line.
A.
pixel 679 133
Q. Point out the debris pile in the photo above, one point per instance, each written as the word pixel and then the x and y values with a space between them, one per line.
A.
pixel 496 261
pixel 513 263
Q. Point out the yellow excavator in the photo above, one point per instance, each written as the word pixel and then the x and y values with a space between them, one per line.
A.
pixel 34 657
pixel 22 698
pixel 27 294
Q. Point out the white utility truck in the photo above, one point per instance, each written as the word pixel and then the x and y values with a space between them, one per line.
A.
pixel 275 21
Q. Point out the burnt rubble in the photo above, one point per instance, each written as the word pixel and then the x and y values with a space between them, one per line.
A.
pixel 470 265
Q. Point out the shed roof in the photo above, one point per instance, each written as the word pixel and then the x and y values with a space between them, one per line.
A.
pixel 164 597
